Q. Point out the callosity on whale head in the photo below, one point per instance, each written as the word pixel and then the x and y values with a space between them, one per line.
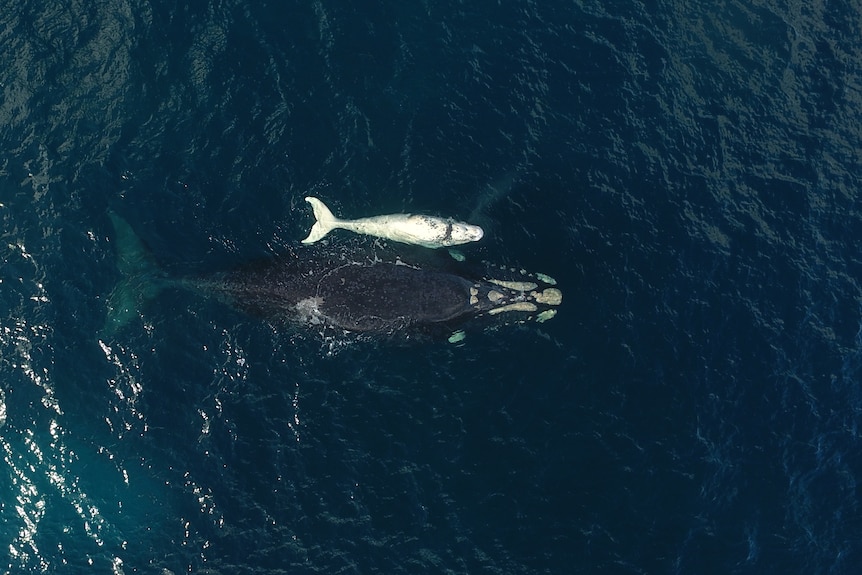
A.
pixel 463 233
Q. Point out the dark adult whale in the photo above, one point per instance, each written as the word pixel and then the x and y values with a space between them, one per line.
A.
pixel 352 290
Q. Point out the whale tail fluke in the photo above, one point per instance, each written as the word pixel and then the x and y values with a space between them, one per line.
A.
pixel 326 221
pixel 142 279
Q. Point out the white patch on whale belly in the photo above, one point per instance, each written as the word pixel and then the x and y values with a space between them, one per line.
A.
pixel 308 310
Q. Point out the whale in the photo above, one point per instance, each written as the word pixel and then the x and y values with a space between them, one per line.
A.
pixel 416 229
pixel 380 297
pixel 373 291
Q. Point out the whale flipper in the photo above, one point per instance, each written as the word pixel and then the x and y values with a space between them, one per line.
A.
pixel 326 221
pixel 142 280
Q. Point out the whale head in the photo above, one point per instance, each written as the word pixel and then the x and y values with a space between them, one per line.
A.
pixel 464 233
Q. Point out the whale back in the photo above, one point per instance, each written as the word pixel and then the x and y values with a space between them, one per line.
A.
pixel 385 297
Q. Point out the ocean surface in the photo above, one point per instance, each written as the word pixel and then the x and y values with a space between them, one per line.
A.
pixel 688 171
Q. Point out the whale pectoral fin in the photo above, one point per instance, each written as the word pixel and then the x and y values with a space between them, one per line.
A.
pixel 457 255
pixel 457 336
pixel 326 221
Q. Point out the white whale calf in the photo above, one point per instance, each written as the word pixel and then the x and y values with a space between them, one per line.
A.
pixel 427 231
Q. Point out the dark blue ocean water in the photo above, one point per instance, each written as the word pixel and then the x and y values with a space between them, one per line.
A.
pixel 689 172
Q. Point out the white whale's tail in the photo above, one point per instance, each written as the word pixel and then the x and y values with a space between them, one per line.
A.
pixel 326 221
